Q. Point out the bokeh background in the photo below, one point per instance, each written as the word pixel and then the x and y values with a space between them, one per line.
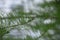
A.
pixel 29 19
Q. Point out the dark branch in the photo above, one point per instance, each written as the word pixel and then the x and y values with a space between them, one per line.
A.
pixel 15 17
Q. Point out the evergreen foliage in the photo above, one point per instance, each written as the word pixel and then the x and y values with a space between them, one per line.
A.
pixel 18 17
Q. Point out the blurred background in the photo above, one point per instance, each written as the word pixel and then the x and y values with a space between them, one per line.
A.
pixel 29 19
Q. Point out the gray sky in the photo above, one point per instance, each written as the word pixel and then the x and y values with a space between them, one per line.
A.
pixel 6 4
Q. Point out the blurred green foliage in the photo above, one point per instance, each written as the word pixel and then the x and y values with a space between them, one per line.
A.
pixel 18 13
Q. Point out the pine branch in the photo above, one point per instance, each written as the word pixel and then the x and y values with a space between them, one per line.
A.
pixel 38 16
pixel 19 24
pixel 41 35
